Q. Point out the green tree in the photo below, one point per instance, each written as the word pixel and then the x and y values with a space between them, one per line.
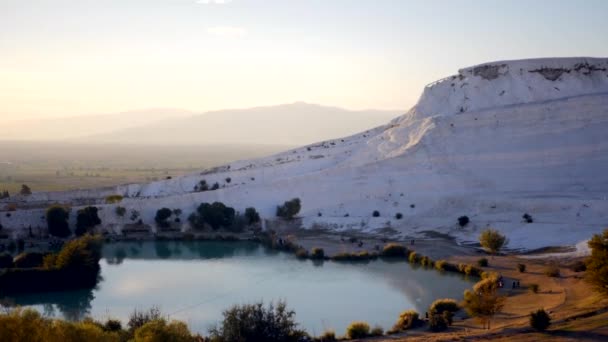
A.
pixel 255 322
pixel 252 216
pixel 86 219
pixel 597 264
pixel 289 209
pixel 25 190
pixel 492 241
pixel 540 320
pixel 57 221
pixel 215 215
pixel 162 215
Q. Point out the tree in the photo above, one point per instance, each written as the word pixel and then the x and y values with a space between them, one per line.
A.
pixel 540 320
pixel 86 219
pixel 289 209
pixel 483 302
pixel 216 215
pixel 25 190
pixel 255 322
pixel 597 264
pixel 252 216
pixel 463 221
pixel 4 194
pixel 162 215
pixel 57 221
pixel 492 241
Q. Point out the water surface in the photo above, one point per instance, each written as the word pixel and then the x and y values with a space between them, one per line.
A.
pixel 195 281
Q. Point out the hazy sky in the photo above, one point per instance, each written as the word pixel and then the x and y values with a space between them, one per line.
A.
pixel 60 57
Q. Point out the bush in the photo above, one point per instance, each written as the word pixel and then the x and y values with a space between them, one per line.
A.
pixel 6 260
pixel 394 250
pixel 112 325
pixel 426 261
pixel 521 268
pixel 252 216
pixel 534 288
pixel 25 190
pixel 57 221
pixel 463 221
pixel 120 211
pixel 407 319
pixel 357 330
pixel 540 320
pixel 162 217
pixel 215 186
pixel 255 322
pixel 528 218
pixel 138 318
pixel 398 216
pixel 441 305
pixel 413 258
pixel 552 271
pixel 160 330
pixel 597 263
pixel 469 270
pixel 289 209
pixel 28 260
pixel 317 253
pixel 376 213
pixel 483 262
pixel 327 336
pixel 302 253
pixel 86 219
pixel 437 322
pixel 440 265
pixel 201 186
pixel 112 199
pixel 492 240
pixel 215 215
pixel 578 266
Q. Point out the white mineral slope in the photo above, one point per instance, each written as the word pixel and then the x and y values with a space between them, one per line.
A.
pixel 493 142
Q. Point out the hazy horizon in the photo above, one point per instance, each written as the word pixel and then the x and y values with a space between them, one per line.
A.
pixel 71 58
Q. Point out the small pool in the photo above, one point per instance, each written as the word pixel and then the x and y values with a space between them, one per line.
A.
pixel 195 281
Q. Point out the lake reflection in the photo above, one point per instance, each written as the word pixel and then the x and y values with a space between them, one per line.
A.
pixel 195 281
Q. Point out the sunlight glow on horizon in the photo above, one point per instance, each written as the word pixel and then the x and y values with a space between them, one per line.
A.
pixel 63 58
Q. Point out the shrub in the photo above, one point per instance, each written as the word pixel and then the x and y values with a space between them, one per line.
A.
pixel 228 180
pixel 201 186
pixel 534 288
pixel 448 316
pixel 327 336
pixel 6 260
pixel 521 268
pixel 57 221
pixel 252 216
pixel 376 331
pixel 483 262
pixel 25 190
pixel 597 263
pixel 86 219
pixel 138 318
pixel 407 319
pixel 492 240
pixel 357 329
pixel 255 322
pixel 528 218
pixel 302 253
pixel 469 270
pixel 578 266
pixel 120 211
pixel 376 213
pixel 426 261
pixel 441 305
pixel 398 216
pixel 289 209
pixel 134 215
pixel 317 253
pixel 160 330
pixel 463 221
pixel 114 199
pixel 216 215
pixel 215 186
pixel 413 258
pixel 440 265
pixel 394 250
pixel 162 216
pixel 437 322
pixel 552 271
pixel 112 325
pixel 28 260
pixel 540 320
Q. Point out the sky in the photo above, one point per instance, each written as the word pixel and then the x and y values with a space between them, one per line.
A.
pixel 84 57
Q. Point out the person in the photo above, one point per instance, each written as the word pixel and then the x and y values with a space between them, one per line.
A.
pixel 513 285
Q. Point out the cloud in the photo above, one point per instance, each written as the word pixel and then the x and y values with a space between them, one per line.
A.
pixel 213 2
pixel 227 31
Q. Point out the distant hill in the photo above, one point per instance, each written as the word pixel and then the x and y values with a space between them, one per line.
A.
pixel 289 124
pixel 66 128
